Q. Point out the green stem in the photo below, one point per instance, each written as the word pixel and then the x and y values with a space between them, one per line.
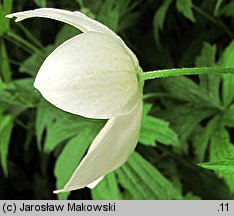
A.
pixel 18 44
pixel 213 20
pixel 30 36
pixel 206 15
pixel 184 71
pixel 23 42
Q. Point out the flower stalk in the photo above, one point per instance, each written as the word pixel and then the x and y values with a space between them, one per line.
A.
pixel 184 71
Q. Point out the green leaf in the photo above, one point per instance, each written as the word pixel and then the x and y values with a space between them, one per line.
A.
pixel 227 9
pixel 185 118
pixel 226 60
pixel 71 156
pixel 43 120
pixel 141 180
pixel 65 33
pixel 186 89
pixel 225 166
pixel 159 19
pixel 228 86
pixel 207 56
pixel 217 7
pixel 18 96
pixel 155 129
pixel 185 7
pixel 5 66
pixel 4 10
pixel 229 117
pixel 191 196
pixel 33 63
pixel 210 82
pixel 40 3
pixel 6 126
pixel 59 126
pixel 222 148
pixel 107 189
pixel 203 137
pixel 7 5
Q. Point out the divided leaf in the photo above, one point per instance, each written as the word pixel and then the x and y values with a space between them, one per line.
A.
pixel 6 126
pixel 159 19
pixel 210 82
pixel 226 60
pixel 185 7
pixel 142 180
pixel 107 189
pixel 71 156
pixel 225 166
pixel 222 148
pixel 155 129
pixel 201 141
pixel 5 65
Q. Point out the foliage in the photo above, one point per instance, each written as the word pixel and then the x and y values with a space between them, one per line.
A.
pixel 185 148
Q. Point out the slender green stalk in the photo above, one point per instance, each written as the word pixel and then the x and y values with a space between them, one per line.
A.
pixel 18 44
pixel 213 20
pixel 30 36
pixel 158 94
pixel 14 62
pixel 205 14
pixel 184 71
pixel 23 42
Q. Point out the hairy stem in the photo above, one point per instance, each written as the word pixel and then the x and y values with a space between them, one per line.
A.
pixel 184 71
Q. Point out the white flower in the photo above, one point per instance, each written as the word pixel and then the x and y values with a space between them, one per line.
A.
pixel 93 74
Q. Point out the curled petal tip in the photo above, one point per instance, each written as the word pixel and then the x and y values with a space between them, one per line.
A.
pixel 19 16
pixel 9 16
pixel 59 191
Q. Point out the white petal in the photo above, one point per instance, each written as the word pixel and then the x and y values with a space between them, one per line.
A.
pixel 93 184
pixel 90 75
pixel 76 19
pixel 109 150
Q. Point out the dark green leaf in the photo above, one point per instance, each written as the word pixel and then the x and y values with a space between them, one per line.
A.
pixel 143 181
pixel 108 189
pixel 71 155
pixel 203 137
pixel 4 10
pixel 40 3
pixel 222 148
pixel 185 7
pixel 6 126
pixel 207 56
pixel 227 9
pixel 226 60
pixel 210 82
pixel 5 66
pixel 155 129
pixel 159 19
pixel 225 166
pixel 32 64
pixel 185 89
pixel 217 7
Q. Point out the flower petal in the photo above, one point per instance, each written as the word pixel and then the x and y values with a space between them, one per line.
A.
pixel 93 184
pixel 76 19
pixel 90 75
pixel 109 150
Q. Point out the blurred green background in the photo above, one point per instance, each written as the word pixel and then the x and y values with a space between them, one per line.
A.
pixel 185 149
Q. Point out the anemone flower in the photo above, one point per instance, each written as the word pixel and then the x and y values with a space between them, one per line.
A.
pixel 95 75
